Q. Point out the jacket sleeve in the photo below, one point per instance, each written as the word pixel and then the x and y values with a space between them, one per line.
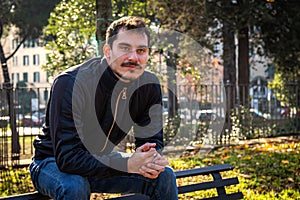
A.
pixel 149 127
pixel 70 153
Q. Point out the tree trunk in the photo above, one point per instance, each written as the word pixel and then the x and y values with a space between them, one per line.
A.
pixel 10 100
pixel 172 88
pixel 172 122
pixel 243 66
pixel 229 63
pixel 104 18
pixel 229 71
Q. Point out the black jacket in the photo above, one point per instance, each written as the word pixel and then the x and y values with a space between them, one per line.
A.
pixel 80 115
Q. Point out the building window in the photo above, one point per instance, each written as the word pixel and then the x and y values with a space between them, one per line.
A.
pixel 26 60
pixel 25 77
pixel 18 77
pixel 33 43
pixel 29 43
pixel 40 43
pixel 48 75
pixel 46 95
pixel 36 77
pixel 15 43
pixel 25 44
pixel 270 71
pixel 15 61
pixel 36 59
pixel 13 77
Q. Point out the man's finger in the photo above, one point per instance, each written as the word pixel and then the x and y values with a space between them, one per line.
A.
pixel 146 147
pixel 149 173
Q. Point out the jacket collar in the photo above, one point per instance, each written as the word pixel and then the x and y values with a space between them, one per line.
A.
pixel 109 79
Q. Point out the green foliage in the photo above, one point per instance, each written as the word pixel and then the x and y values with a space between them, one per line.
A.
pixel 28 16
pixel 246 124
pixel 15 181
pixel 183 16
pixel 171 128
pixel 31 15
pixel 132 8
pixel 283 44
pixel 286 88
pixel 267 170
pixel 183 27
pixel 6 8
pixel 71 30
pixel 283 41
pixel 72 27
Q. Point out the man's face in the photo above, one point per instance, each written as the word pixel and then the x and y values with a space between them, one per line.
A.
pixel 129 54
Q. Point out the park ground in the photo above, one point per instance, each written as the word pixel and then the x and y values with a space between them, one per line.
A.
pixel 268 169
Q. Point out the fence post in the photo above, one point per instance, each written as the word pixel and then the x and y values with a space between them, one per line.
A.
pixel 297 106
pixel 228 99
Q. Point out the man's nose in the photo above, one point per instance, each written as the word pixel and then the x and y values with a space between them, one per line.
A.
pixel 132 55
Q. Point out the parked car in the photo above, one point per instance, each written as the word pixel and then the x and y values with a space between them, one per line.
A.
pixel 32 120
pixel 4 120
pixel 285 112
pixel 185 115
pixel 257 114
pixel 207 115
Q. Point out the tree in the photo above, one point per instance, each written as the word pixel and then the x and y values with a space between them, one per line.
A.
pixel 70 32
pixel 76 20
pixel 104 18
pixel 29 17
pixel 283 44
pixel 186 25
pixel 283 41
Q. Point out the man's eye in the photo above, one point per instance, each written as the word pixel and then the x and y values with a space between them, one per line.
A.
pixel 125 48
pixel 141 51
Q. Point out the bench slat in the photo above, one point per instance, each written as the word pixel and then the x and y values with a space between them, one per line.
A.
pixel 207 185
pixel 233 196
pixel 203 170
pixel 27 196
pixel 132 197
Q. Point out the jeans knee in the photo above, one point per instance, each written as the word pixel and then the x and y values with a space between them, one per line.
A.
pixel 167 186
pixel 74 189
pixel 169 174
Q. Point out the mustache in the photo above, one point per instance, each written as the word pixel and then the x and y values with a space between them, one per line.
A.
pixel 137 65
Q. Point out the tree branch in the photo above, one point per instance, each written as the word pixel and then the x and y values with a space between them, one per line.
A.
pixel 19 45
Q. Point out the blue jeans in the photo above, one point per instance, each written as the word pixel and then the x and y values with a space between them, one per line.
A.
pixel 49 180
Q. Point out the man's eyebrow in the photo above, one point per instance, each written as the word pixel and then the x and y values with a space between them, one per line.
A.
pixel 124 44
pixel 129 45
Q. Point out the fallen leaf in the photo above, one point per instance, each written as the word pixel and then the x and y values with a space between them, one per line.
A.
pixel 291 179
pixel 285 162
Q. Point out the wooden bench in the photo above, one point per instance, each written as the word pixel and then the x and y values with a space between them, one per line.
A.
pixel 215 171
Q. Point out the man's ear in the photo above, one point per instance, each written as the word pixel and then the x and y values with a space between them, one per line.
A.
pixel 107 51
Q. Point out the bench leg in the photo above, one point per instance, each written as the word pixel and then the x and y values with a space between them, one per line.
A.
pixel 221 190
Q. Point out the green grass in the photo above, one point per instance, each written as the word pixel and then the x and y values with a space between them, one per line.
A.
pixel 268 170
pixel 265 171
pixel 26 145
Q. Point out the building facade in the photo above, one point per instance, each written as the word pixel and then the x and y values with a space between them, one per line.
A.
pixel 25 67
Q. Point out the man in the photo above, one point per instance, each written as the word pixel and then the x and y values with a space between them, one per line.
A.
pixel 91 109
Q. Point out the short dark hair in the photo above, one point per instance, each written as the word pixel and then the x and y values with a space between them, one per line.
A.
pixel 126 23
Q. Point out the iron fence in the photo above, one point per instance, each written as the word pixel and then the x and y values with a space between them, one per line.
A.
pixel 214 114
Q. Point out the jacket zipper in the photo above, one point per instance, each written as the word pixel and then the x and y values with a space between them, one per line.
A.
pixel 124 96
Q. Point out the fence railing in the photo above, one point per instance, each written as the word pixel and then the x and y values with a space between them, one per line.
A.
pixel 214 114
